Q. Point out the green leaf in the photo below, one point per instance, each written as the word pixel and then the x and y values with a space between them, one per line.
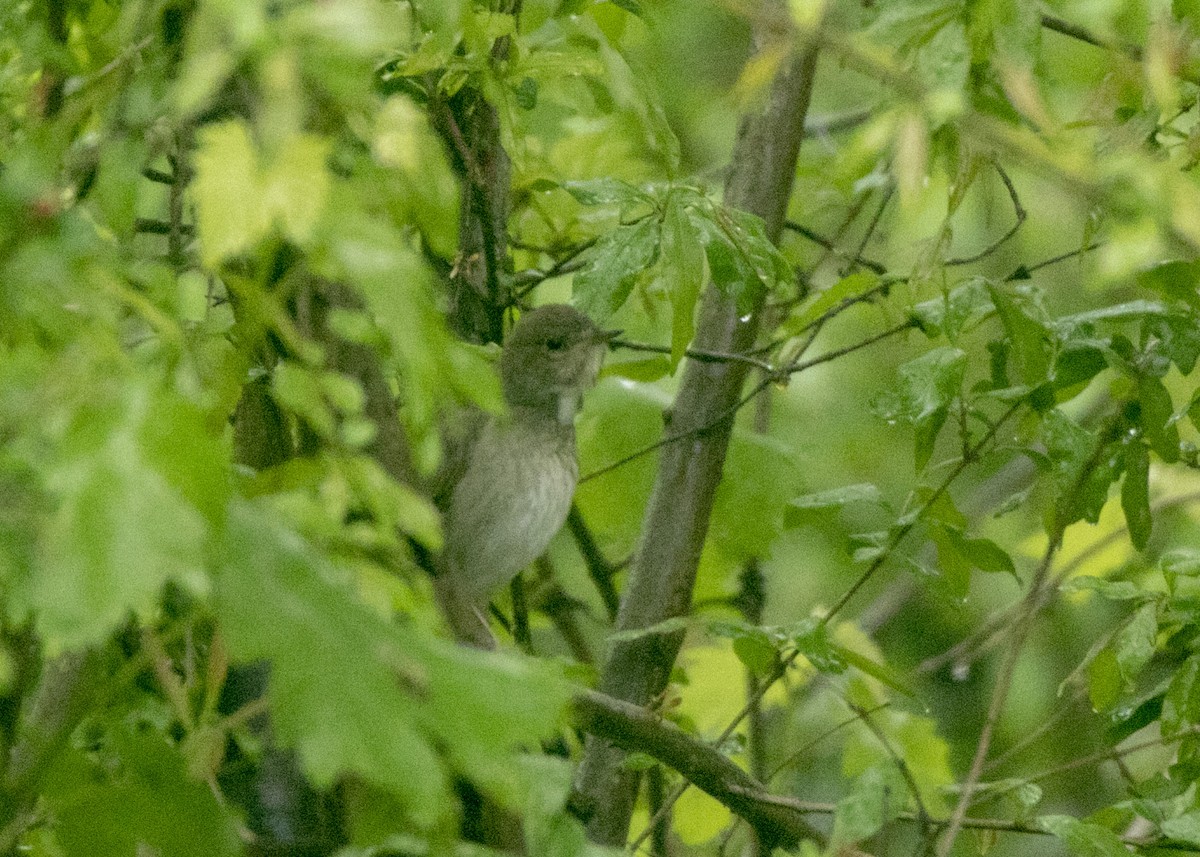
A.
pixel 1134 643
pixel 811 639
pixel 954 568
pixel 1183 828
pixel 230 216
pixel 606 191
pixel 926 388
pixel 1176 280
pixel 730 271
pixel 618 258
pixel 1030 338
pixel 640 369
pixel 354 692
pixel 1112 590
pixel 798 510
pixel 683 271
pixel 1077 364
pixel 116 185
pixel 177 442
pixel 1072 449
pixel 1178 339
pixel 132 794
pixel 299 389
pixel 880 672
pixel 342 693
pixel 1082 838
pixel 122 527
pixel 1181 562
pixel 870 804
pixel 1135 494
pixel 983 554
pixel 756 651
pixel 926 385
pixel 1104 679
pixel 956 310
pixel 750 233
pixel 296 186
pixel 1181 705
pixel 847 288
pixel 1157 413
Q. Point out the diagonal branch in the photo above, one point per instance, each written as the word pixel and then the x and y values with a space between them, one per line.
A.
pixel 676 522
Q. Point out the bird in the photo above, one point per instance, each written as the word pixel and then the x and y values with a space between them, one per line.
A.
pixel 507 481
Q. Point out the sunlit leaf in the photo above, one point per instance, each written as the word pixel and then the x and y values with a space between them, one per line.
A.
pixel 230 215
pixel 1135 494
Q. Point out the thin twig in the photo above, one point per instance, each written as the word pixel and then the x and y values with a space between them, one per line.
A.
pixel 999 824
pixel 897 759
pixel 700 354
pixel 1022 627
pixel 599 568
pixel 786 662
pixel 1000 623
pixel 850 349
pixel 817 238
pixel 526 281
pixel 837 727
pixel 732 410
pixel 158 176
pixel 1074 31
pixel 996 708
pixel 888 193
pixel 1018 209
pixel 1024 273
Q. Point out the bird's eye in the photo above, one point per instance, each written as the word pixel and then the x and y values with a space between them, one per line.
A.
pixel 556 343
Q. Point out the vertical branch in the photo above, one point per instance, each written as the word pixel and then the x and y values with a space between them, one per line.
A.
pixel 478 296
pixel 70 685
pixel 752 600
pixel 181 175
pixel 664 569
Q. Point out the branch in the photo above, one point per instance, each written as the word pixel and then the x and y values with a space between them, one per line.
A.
pixel 1074 31
pixel 70 685
pixel 635 729
pixel 676 522
pixel 599 568
pixel 698 354
pixel 1023 625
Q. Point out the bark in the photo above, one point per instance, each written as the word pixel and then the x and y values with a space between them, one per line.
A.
pixel 635 729
pixel 676 522
pixel 70 685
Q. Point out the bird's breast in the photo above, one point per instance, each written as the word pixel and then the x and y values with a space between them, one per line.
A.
pixel 511 500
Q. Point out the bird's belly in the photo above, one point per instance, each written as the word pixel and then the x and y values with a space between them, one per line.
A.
pixel 509 504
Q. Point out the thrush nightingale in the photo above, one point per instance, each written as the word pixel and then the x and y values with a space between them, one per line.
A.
pixel 507 481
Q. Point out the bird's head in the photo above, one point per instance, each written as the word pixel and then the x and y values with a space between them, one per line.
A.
pixel 551 358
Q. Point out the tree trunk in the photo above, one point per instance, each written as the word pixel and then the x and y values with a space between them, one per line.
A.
pixel 676 522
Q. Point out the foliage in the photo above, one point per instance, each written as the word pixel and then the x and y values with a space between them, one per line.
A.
pixel 953 548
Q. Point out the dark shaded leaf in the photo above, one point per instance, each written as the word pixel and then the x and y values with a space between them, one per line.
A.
pixel 1157 413
pixel 1030 338
pixel 1135 494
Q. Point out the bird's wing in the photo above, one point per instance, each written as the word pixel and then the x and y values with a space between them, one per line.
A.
pixel 459 433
